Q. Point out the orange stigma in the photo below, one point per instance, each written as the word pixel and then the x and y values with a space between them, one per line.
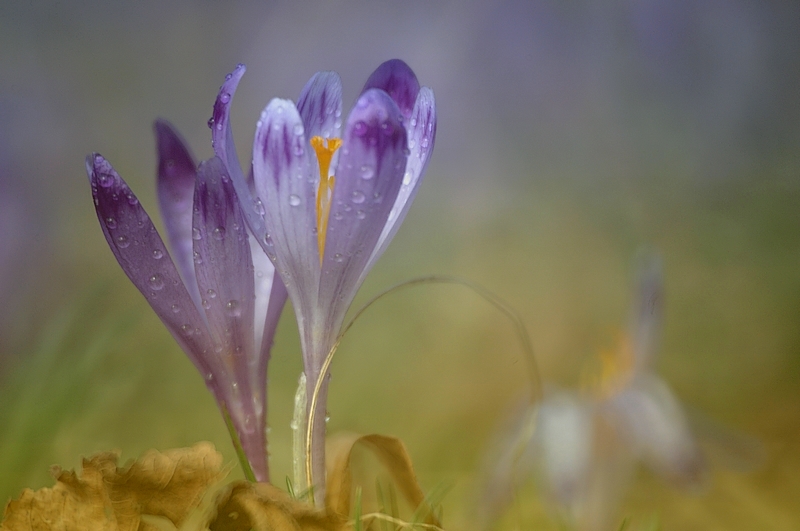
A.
pixel 325 148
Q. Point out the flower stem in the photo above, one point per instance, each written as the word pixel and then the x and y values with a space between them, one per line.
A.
pixel 237 445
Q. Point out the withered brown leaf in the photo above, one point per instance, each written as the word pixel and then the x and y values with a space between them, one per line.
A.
pixel 392 454
pixel 245 506
pixel 105 497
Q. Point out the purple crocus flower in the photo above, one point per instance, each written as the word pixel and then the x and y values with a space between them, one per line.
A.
pixel 216 292
pixel 328 198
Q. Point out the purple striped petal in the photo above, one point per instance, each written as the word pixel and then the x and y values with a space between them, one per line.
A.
pixel 144 258
pixel 397 79
pixel 223 263
pixel 368 178
pixel 270 298
pixel 421 128
pixel 176 175
pixel 320 105
pixel 222 141
pixel 284 181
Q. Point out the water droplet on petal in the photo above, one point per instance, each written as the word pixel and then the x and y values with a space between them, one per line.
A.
pixel 298 129
pixel 234 308
pixel 424 142
pixel 210 122
pixel 206 304
pixel 225 97
pixel 209 377
pixel 361 214
pixel 358 197
pixel 158 254
pixel 105 180
pixel 211 294
pixel 367 172
pixel 407 178
pixel 338 257
pixel 196 235
pixel 122 241
pixel 218 233
pixel 176 308
pixel 259 207
pixel 338 216
pixel 360 129
pixel 294 200
pixel 111 223
pixel 156 282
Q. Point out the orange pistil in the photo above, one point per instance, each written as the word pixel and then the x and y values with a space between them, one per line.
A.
pixel 325 148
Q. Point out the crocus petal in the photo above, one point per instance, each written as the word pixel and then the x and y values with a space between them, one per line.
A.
pixel 222 140
pixel 368 178
pixel 283 180
pixel 648 311
pixel 320 105
pixel 421 128
pixel 659 430
pixel 270 298
pixel 176 174
pixel 143 256
pixel 564 437
pixel 223 263
pixel 397 79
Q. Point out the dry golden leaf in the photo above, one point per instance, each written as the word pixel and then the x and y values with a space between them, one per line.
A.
pixel 248 506
pixel 391 452
pixel 106 497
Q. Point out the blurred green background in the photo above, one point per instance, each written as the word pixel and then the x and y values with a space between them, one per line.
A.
pixel 570 134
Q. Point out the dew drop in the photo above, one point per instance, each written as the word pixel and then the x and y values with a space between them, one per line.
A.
pixel 413 122
pixel 209 377
pixel 377 198
pixel 158 254
pixel 367 172
pixel 259 207
pixel 361 214
pixel 360 129
pixel 224 97
pixel 111 223
pixel 424 142
pixel 294 200
pixel 210 122
pixel 218 233
pixel 206 304
pixel 338 216
pixel 338 257
pixel 156 282
pixel 196 235
pixel 387 128
pixel 234 308
pixel 105 180
pixel 176 308
pixel 298 129
pixel 412 143
pixel 197 258
pixel 407 178
pixel 358 197
pixel 122 241
pixel 211 294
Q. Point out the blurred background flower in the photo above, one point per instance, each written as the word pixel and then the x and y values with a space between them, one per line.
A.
pixel 569 134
